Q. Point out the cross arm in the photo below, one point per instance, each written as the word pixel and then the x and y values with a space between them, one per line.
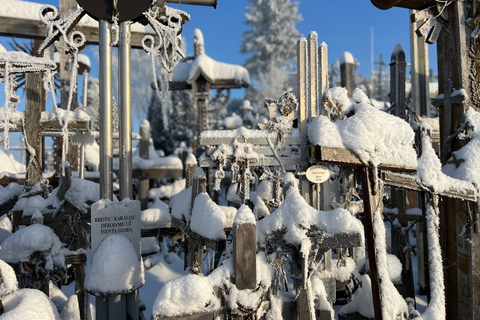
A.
pixel 409 4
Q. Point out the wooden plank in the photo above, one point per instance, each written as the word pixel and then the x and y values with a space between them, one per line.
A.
pixel 348 158
pixel 419 71
pixel 303 305
pixel 205 162
pixel 33 136
pixel 289 140
pixel 213 315
pixel 170 232
pixel 35 29
pixel 410 182
pixel 155 173
pixel 369 204
pixel 244 256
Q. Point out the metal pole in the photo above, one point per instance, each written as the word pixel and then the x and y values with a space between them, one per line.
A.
pixel 125 173
pixel 106 134
pixel 106 137
pixel 125 112
pixel 82 146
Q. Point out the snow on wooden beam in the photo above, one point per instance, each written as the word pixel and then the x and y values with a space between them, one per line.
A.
pixel 410 182
pixel 348 158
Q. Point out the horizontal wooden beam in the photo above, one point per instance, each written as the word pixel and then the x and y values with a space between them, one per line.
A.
pixel 410 182
pixel 156 173
pixel 205 162
pixel 289 140
pixel 54 126
pixel 345 157
pixel 35 29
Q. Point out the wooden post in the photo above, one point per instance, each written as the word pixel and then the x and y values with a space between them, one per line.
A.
pixel 302 80
pixel 245 256
pixel 313 76
pixel 201 92
pixel 462 251
pixel 324 196
pixel 190 168
pixel 66 7
pixel 346 72
pixel 144 184
pixel 32 129
pixel 369 203
pixel 398 69
pixel 419 71
pixel 192 256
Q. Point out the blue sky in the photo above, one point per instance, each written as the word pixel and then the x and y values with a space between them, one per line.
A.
pixel 344 25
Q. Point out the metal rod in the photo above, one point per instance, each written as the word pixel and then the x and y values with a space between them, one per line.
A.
pixel 82 161
pixel 82 147
pixel 210 3
pixel 106 136
pixel 125 112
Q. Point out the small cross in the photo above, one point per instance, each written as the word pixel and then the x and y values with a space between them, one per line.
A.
pixel 455 160
pixel 434 19
pixel 447 99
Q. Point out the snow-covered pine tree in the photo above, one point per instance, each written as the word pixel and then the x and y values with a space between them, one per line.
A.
pixel 272 45
pixel 182 121
pixel 160 134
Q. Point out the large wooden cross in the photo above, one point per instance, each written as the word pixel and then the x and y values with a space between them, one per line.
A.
pixel 458 54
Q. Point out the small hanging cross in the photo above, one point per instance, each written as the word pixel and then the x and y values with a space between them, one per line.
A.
pixel 456 160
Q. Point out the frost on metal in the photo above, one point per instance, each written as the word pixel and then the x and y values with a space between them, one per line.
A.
pixel 74 40
pixel 13 62
pixel 167 24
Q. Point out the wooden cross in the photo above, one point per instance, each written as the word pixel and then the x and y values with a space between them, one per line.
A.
pixel 455 160
pixel 447 101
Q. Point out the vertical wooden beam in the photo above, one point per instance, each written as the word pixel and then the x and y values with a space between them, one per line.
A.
pixel 322 73
pixel 201 93
pixel 346 72
pixel 144 184
pixel 398 70
pixel 419 71
pixel 303 101
pixel 313 79
pixel 461 254
pixel 245 255
pixel 66 7
pixel 32 130
pixel 369 205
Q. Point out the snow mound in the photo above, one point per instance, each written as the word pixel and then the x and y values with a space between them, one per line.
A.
pixel 9 283
pixel 35 238
pixel 208 218
pixel 375 136
pixel 29 304
pixel 468 155
pixel 244 215
pixel 295 217
pixel 196 293
pixel 157 217
pixel 114 267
